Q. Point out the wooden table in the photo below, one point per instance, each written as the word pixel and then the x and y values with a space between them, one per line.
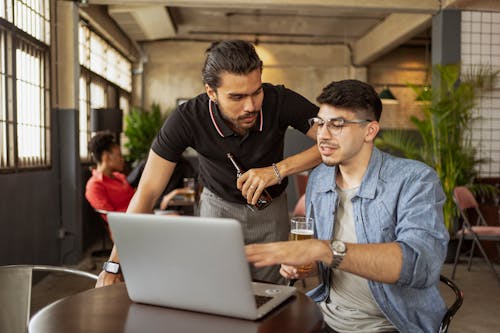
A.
pixel 110 310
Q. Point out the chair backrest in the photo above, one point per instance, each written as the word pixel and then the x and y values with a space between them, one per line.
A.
pixel 457 303
pixel 300 206
pixel 464 198
pixel 16 292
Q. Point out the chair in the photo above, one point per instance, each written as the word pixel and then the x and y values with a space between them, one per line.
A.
pixel 16 293
pixel 459 298
pixel 300 206
pixel 475 232
pixel 452 310
pixel 105 232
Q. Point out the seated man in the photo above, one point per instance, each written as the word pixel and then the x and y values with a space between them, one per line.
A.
pixel 379 223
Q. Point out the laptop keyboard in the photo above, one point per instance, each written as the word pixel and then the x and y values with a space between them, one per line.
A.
pixel 261 300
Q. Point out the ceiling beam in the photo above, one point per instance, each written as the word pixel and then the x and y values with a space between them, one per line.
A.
pixel 153 20
pixel 393 31
pixel 400 6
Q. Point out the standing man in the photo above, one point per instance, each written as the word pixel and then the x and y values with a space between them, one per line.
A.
pixel 379 223
pixel 240 115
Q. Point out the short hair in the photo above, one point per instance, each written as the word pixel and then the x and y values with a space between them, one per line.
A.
pixel 231 56
pixel 101 142
pixel 355 95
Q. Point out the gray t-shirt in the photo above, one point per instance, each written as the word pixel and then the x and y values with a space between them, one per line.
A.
pixel 352 307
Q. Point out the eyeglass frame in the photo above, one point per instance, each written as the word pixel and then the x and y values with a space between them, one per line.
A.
pixel 331 127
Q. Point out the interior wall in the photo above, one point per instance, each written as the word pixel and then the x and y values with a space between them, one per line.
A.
pixel 173 69
pixel 404 65
pixel 29 217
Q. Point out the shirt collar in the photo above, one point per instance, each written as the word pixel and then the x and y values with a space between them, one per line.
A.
pixel 100 176
pixel 368 184
pixel 220 124
pixel 97 174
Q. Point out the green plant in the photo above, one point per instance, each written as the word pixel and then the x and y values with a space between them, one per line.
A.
pixel 141 127
pixel 445 130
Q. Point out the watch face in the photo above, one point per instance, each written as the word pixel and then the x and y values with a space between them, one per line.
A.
pixel 338 246
pixel 111 267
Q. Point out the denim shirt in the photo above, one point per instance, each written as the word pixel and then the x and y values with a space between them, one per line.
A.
pixel 401 201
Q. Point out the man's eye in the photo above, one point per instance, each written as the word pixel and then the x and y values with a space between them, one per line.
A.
pixel 236 98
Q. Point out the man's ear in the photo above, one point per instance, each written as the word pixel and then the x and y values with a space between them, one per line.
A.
pixel 372 130
pixel 212 94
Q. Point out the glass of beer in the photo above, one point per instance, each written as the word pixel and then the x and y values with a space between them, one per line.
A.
pixel 302 228
pixel 190 184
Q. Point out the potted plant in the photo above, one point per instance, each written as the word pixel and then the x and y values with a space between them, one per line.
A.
pixel 141 127
pixel 445 131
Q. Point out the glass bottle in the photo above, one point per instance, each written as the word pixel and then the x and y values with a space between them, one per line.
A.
pixel 265 198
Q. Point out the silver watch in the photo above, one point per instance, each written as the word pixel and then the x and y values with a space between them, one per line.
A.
pixel 339 250
pixel 111 267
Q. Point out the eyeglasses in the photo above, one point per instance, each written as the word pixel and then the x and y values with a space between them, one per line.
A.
pixel 335 125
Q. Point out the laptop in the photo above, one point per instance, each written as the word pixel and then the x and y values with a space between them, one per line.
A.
pixel 192 263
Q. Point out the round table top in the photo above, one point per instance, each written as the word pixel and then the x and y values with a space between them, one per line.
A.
pixel 109 309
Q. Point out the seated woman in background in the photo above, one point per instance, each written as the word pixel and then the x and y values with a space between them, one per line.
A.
pixel 108 189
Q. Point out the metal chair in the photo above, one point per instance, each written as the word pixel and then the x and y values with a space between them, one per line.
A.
pixel 457 303
pixel 16 292
pixel 459 298
pixel 475 232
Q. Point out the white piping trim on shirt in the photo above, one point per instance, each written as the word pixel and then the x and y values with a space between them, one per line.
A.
pixel 213 118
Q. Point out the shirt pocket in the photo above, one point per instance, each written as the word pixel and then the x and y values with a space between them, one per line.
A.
pixel 385 222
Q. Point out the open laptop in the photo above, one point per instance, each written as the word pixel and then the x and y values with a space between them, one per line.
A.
pixel 192 263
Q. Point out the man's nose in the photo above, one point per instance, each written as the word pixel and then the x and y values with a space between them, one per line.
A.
pixel 323 132
pixel 250 104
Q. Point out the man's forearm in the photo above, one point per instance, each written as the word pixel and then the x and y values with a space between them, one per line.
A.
pixel 378 262
pixel 305 160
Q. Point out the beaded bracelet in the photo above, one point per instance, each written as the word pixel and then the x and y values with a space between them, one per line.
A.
pixel 277 173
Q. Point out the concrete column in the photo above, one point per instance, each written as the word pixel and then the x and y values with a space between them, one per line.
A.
pixel 445 39
pixel 66 136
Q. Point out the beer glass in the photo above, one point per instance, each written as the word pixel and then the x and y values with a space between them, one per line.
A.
pixel 189 183
pixel 302 228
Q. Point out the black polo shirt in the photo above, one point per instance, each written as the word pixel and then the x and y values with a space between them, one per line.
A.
pixel 198 123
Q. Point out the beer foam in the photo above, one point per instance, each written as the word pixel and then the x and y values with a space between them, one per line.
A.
pixel 302 232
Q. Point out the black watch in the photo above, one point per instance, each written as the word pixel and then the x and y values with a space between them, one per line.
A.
pixel 111 267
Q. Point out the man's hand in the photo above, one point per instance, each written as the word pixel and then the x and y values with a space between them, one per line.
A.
pixel 254 181
pixel 168 197
pixel 106 279
pixel 291 253
pixel 298 273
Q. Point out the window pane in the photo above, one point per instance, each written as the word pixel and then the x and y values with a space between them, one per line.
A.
pixel 102 58
pixel 33 17
pixel 32 115
pixel 3 103
pixel 84 107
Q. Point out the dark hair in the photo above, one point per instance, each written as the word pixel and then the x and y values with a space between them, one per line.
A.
pixel 101 142
pixel 232 56
pixel 354 95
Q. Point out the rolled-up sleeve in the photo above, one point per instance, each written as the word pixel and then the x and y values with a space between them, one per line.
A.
pixel 420 230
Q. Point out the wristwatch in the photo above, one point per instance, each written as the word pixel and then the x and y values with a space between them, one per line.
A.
pixel 111 267
pixel 339 250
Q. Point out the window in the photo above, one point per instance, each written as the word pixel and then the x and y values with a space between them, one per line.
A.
pixel 481 46
pixel 24 84
pixel 106 77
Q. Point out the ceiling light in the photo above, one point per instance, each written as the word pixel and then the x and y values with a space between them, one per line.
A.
pixel 387 97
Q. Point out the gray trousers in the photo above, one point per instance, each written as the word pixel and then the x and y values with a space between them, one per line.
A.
pixel 259 226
